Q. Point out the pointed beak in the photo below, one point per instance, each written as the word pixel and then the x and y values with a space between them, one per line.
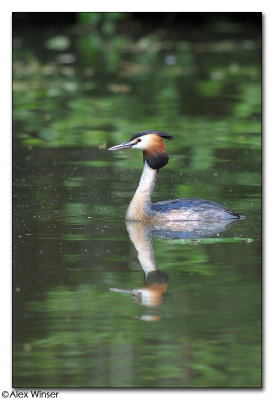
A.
pixel 126 145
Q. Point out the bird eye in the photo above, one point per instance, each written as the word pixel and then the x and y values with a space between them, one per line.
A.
pixel 139 140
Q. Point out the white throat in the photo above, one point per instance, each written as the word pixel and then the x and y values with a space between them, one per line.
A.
pixel 140 206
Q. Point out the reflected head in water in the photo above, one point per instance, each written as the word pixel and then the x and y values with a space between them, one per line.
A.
pixel 151 294
pixel 155 157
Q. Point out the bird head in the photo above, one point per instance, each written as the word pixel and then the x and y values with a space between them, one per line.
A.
pixel 152 145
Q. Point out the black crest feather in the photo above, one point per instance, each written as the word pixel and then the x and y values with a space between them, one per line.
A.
pixel 159 133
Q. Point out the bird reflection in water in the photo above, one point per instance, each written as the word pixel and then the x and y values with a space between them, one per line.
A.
pixel 155 281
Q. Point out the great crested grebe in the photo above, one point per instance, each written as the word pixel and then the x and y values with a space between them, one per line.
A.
pixel 156 157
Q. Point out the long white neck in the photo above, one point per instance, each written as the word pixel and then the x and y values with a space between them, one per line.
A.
pixel 140 206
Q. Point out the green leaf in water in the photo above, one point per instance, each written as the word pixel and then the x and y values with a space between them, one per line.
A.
pixel 58 43
pixel 211 240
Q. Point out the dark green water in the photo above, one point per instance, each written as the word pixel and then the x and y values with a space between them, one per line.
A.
pixel 197 321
